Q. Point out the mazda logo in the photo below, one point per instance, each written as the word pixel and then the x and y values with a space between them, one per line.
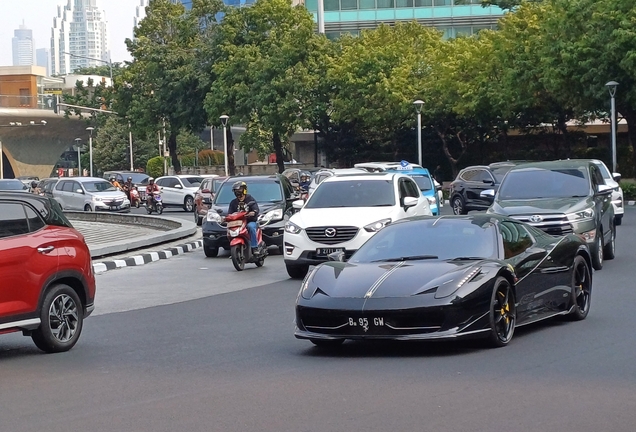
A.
pixel 536 218
pixel 330 232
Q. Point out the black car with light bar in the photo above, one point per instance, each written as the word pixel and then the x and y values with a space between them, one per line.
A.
pixel 442 278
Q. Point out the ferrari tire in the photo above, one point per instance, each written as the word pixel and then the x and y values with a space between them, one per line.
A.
pixel 210 252
pixel 458 206
pixel 581 294
pixel 238 256
pixel 327 343
pixel 61 317
pixel 609 250
pixel 597 251
pixel 502 315
pixel 297 271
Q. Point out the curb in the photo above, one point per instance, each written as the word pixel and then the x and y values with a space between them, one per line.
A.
pixel 137 260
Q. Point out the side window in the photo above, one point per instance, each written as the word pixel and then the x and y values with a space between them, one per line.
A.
pixel 13 220
pixel 516 239
pixel 75 186
pixel 597 177
pixel 484 175
pixel 67 186
pixel 60 185
pixel 469 175
pixel 411 189
pixel 161 182
pixel 35 222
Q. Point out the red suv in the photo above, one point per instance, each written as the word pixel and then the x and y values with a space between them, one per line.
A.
pixel 48 285
pixel 204 196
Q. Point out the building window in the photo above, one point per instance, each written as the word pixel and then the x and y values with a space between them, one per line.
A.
pixel 385 4
pixel 348 4
pixel 421 3
pixel 403 3
pixel 367 4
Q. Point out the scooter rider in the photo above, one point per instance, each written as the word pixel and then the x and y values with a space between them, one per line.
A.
pixel 128 186
pixel 151 188
pixel 304 182
pixel 247 203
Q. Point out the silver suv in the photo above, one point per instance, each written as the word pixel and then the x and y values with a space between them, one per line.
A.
pixel 90 194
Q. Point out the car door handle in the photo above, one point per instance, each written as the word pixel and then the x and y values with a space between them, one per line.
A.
pixel 45 250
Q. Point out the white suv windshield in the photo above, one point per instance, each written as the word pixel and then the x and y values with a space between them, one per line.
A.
pixel 353 193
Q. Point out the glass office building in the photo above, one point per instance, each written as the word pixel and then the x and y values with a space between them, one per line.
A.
pixel 351 16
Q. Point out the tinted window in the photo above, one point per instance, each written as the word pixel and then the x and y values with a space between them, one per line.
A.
pixel 483 175
pixel 442 238
pixel 67 186
pixel 261 191
pixel 12 220
pixel 162 182
pixel 191 181
pixel 604 171
pixel 353 193
pixel 423 182
pixel 543 183
pixel 516 239
pixel 500 173
pixel 469 175
pixel 99 186
pixel 12 184
pixel 35 222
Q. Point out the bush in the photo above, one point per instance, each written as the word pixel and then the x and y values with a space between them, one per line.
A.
pixel 154 167
pixel 211 157
pixel 629 190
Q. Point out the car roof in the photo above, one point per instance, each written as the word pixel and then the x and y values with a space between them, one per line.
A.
pixel 556 164
pixel 21 196
pixel 368 176
pixel 264 177
pixel 384 165
pixel 84 179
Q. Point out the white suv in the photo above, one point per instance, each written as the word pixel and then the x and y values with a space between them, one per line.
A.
pixel 344 212
pixel 617 192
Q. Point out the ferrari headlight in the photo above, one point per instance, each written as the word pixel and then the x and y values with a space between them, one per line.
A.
pixel 450 287
pixel 377 226
pixel 274 215
pixel 581 216
pixel 292 228
pixel 213 216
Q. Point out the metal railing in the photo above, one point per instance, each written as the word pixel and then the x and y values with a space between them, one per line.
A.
pixel 41 101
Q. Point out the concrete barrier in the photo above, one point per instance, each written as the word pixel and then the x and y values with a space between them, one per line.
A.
pixel 157 230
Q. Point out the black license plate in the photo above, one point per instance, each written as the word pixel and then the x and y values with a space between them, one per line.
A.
pixel 327 251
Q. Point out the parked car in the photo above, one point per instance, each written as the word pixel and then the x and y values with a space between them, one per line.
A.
pixel 13 185
pixel 325 173
pixel 612 180
pixel 446 278
pixel 204 196
pixel 46 186
pixel 561 197
pixel 430 188
pixel 90 194
pixel 179 190
pixel 274 195
pixel 465 191
pixel 48 286
pixel 344 212
pixel 139 179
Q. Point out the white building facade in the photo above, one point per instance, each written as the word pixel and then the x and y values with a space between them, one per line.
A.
pixel 23 47
pixel 79 37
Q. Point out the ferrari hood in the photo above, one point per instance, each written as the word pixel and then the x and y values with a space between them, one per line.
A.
pixel 386 279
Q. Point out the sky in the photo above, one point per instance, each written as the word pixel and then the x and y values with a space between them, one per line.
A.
pixel 38 16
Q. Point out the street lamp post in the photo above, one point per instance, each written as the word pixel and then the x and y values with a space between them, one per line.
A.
pixel 611 86
pixel 418 108
pixel 78 143
pixel 132 167
pixel 90 149
pixel 224 118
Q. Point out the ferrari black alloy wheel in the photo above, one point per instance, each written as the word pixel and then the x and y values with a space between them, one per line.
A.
pixel 238 256
pixel 581 289
pixel 327 343
pixel 502 313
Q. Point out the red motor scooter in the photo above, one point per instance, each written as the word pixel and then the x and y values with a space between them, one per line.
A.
pixel 134 197
pixel 240 241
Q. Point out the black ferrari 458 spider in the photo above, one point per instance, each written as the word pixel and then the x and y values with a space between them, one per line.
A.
pixel 448 277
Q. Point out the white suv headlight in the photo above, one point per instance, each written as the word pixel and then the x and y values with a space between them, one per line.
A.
pixel 377 226
pixel 582 215
pixel 292 228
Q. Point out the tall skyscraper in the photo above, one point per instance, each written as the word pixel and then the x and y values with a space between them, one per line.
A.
pixel 23 47
pixel 43 59
pixel 79 37
pixel 140 12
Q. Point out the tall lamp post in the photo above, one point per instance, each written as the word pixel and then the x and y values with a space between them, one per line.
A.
pixel 611 86
pixel 418 109
pixel 224 118
pixel 78 143
pixel 90 149
pixel 132 167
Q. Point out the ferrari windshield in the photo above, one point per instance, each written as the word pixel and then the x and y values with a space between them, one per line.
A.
pixel 353 193
pixel 544 183
pixel 443 238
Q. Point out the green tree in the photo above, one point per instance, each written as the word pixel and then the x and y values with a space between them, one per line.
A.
pixel 262 70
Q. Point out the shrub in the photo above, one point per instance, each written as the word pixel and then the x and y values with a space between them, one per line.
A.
pixel 629 190
pixel 154 167
pixel 211 157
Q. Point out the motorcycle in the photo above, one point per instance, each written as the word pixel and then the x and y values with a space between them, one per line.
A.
pixel 135 199
pixel 155 204
pixel 239 237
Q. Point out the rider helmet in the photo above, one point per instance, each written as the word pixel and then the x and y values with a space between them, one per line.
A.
pixel 112 178
pixel 129 179
pixel 151 180
pixel 239 188
pixel 34 184
pixel 304 176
